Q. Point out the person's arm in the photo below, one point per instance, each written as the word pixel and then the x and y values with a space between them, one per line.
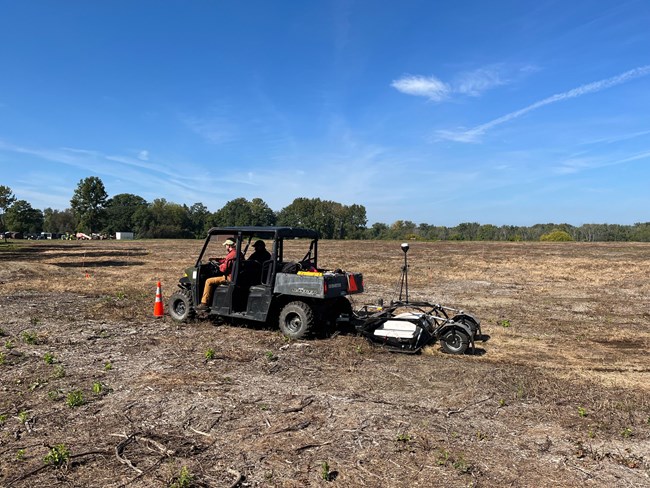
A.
pixel 226 265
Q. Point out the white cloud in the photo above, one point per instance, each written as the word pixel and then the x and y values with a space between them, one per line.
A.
pixel 469 83
pixel 576 165
pixel 474 83
pixel 421 86
pixel 143 155
pixel 474 134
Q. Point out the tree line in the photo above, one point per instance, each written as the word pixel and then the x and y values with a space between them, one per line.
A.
pixel 92 211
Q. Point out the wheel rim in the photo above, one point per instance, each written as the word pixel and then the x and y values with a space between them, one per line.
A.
pixel 179 308
pixel 293 323
pixel 454 341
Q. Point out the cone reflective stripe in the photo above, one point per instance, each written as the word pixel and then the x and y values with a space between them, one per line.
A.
pixel 158 305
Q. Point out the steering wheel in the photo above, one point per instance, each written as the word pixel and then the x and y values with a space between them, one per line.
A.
pixel 214 267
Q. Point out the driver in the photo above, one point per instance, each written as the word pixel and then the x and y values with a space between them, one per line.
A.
pixel 225 269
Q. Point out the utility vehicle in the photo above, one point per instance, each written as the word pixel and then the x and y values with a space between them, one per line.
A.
pixel 290 288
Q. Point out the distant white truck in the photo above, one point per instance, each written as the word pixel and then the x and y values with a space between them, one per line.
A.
pixel 124 236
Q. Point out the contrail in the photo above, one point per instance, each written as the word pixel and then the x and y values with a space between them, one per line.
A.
pixel 471 135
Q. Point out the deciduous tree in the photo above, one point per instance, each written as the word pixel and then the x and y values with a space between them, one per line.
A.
pixel 21 217
pixel 58 221
pixel 88 203
pixel 119 212
pixel 7 197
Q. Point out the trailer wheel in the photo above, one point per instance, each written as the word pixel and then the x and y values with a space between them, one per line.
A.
pixel 180 305
pixel 454 341
pixel 296 320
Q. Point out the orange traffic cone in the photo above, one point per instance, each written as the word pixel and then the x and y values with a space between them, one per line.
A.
pixel 158 305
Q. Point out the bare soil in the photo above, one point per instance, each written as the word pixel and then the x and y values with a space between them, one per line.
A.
pixel 558 397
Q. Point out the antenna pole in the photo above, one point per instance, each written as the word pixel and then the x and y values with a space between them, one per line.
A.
pixel 404 281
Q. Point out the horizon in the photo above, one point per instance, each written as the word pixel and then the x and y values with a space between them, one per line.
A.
pixel 501 114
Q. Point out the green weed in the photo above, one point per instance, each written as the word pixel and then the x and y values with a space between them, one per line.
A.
pixel 9 345
pixel 3 419
pixel 23 416
pixel 30 337
pixel 58 455
pixel 270 356
pixel 75 399
pixel 443 457
pixel 54 394
pixel 97 387
pixel 403 438
pixel 325 471
pixel 3 357
pixel 20 454
pixel 462 465
pixel 59 372
pixel 627 432
pixel 504 323
pixel 582 411
pixel 49 358
pixel 183 480
pixel 210 354
pixel 108 366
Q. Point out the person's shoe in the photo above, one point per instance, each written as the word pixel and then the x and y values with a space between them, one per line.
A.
pixel 202 307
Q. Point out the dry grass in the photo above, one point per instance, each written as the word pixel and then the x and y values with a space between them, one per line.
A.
pixel 559 396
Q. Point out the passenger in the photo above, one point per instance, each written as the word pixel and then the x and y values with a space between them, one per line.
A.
pixel 225 269
pixel 261 254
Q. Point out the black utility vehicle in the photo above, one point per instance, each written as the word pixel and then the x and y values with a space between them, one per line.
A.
pixel 289 288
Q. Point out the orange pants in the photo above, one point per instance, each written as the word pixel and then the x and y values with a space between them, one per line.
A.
pixel 210 284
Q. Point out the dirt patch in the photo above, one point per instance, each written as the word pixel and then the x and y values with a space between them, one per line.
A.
pixel 559 396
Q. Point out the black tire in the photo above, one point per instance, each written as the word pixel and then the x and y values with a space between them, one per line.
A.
pixel 343 306
pixel 180 305
pixel 468 321
pixel 454 341
pixel 333 310
pixel 296 320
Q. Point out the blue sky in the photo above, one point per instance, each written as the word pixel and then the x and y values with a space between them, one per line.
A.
pixel 439 112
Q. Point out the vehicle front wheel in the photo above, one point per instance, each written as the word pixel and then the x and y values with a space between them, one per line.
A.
pixel 454 341
pixel 296 320
pixel 180 305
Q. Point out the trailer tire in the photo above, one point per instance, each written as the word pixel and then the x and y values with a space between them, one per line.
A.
pixel 454 341
pixel 180 307
pixel 296 320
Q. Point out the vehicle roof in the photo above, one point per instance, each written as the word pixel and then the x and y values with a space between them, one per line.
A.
pixel 269 232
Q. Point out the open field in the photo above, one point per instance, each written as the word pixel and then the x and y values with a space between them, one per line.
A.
pixel 558 397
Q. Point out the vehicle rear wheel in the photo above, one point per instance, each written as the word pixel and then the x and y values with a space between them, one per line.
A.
pixel 296 320
pixel 180 305
pixel 454 341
